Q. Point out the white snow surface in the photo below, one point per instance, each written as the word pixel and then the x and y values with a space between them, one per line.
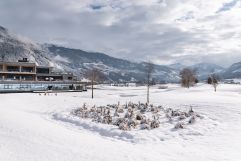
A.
pixel 39 128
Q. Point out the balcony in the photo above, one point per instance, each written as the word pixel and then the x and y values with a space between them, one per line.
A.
pixel 43 70
pixel 11 77
pixel 27 78
pixel 13 69
pixel 27 69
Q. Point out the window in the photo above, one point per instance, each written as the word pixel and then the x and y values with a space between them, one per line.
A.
pixel 12 68
pixel 27 69
pixel 43 70
pixel 27 77
pixel 13 77
pixel 7 86
pixel 25 86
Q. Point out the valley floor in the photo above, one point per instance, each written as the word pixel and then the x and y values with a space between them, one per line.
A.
pixel 34 128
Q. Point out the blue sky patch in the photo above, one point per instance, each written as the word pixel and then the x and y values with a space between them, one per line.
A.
pixel 228 6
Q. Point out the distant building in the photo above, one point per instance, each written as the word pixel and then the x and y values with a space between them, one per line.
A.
pixel 26 71
pixel 131 84
pixel 27 76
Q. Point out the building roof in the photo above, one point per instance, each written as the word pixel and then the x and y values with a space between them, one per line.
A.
pixel 18 63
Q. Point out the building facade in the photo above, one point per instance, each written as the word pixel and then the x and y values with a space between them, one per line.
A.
pixel 26 71
pixel 24 76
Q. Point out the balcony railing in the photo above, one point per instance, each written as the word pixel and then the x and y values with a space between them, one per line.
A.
pixel 27 70
pixel 18 70
pixel 13 70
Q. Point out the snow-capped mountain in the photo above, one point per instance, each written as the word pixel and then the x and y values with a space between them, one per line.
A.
pixel 234 71
pixel 177 66
pixel 14 47
pixel 205 69
pixel 114 68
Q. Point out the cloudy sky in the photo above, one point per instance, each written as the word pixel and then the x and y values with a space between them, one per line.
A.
pixel 164 31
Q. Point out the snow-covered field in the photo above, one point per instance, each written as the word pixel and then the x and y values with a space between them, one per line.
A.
pixel 39 128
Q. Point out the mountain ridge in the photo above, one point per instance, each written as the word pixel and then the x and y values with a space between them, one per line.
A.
pixel 14 47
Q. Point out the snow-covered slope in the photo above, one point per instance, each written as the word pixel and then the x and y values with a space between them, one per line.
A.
pixel 14 47
pixel 116 69
pixel 205 69
pixel 177 66
pixel 31 131
pixel 234 71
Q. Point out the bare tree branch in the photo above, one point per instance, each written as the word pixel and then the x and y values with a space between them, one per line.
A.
pixel 213 79
pixel 188 77
pixel 149 69
pixel 96 76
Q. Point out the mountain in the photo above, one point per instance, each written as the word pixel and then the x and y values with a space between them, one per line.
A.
pixel 234 71
pixel 205 69
pixel 115 69
pixel 177 66
pixel 14 47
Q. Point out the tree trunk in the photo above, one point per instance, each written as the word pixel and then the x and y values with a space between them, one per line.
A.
pixel 147 99
pixel 92 89
pixel 92 86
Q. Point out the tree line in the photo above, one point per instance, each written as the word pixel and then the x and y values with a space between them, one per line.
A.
pixel 188 78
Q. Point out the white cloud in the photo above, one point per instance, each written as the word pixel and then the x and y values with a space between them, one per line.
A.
pixel 167 31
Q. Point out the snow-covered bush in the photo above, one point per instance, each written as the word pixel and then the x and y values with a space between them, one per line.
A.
pixel 180 125
pixel 136 116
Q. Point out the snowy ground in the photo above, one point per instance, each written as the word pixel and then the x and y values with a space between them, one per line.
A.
pixel 37 128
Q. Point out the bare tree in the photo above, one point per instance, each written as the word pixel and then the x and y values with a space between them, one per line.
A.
pixel 96 76
pixel 149 69
pixel 213 80
pixel 188 77
pixel 209 81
